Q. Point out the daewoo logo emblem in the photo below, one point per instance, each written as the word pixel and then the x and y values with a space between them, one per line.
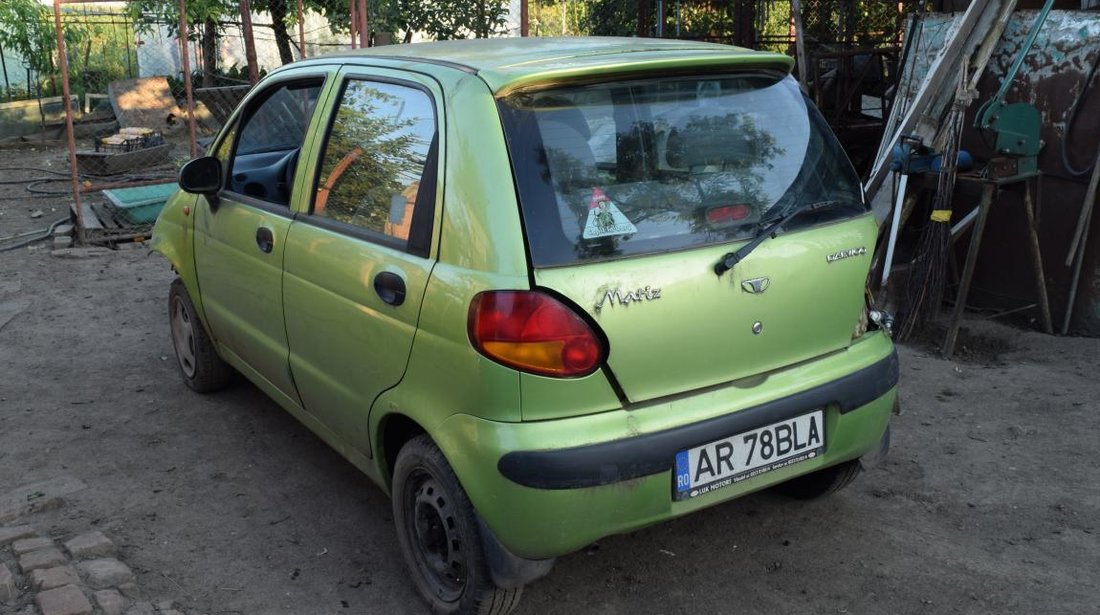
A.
pixel 756 285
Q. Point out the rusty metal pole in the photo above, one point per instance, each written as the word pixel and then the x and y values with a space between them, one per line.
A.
pixel 353 22
pixel 364 25
pixel 63 63
pixel 249 42
pixel 301 31
pixel 185 60
pixel 524 27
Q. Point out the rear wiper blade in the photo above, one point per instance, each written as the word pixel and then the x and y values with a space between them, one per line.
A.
pixel 730 260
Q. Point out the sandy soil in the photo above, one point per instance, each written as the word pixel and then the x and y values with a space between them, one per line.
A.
pixel 989 502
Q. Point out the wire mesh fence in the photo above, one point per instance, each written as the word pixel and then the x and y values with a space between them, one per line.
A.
pixel 136 88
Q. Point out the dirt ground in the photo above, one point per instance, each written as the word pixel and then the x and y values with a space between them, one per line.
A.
pixel 988 503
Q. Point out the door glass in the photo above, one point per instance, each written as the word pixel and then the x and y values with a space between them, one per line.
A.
pixel 375 158
pixel 270 140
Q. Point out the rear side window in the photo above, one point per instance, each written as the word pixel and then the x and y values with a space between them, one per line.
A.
pixel 616 169
pixel 374 162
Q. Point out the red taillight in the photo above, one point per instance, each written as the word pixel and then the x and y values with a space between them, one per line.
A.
pixel 727 214
pixel 533 332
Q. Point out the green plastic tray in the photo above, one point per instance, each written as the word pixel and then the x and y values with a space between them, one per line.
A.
pixel 140 205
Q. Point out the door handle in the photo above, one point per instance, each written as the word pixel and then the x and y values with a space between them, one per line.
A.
pixel 265 240
pixel 390 287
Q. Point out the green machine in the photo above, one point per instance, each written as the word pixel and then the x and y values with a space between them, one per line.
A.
pixel 1016 125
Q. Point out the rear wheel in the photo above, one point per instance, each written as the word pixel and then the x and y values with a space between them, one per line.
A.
pixel 201 367
pixel 438 533
pixel 822 482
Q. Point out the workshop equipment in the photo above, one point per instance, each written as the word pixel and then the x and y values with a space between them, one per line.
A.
pixel 1015 125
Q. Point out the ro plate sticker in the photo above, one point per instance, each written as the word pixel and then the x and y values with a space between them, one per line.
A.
pixel 605 219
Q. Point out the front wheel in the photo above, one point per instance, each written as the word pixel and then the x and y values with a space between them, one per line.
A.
pixel 439 537
pixel 201 367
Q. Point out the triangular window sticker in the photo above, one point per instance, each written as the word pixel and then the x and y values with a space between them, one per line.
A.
pixel 605 219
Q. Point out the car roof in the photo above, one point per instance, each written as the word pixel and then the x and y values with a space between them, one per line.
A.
pixel 509 63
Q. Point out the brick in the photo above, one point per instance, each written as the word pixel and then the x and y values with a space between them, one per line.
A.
pixel 60 242
pixel 63 229
pixel 49 578
pixel 27 545
pixel 91 544
pixel 43 558
pixel 7 585
pixel 11 534
pixel 110 601
pixel 104 573
pixel 66 600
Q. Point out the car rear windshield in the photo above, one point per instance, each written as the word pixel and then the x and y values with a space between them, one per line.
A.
pixel 610 170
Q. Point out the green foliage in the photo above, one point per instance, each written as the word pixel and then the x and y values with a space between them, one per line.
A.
pixel 27 28
pixel 439 19
pixel 148 14
pixel 613 17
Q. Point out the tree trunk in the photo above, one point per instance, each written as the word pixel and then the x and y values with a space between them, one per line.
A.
pixel 209 53
pixel 278 11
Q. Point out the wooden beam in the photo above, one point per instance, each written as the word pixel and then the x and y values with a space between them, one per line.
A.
pixel 524 21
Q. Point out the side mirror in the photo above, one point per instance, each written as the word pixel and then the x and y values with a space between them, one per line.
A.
pixel 202 176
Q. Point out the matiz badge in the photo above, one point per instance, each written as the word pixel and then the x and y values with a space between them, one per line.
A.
pixel 843 254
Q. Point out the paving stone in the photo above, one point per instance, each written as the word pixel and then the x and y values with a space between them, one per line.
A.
pixel 27 545
pixel 141 608
pixel 7 585
pixel 131 591
pixel 66 600
pixel 43 558
pixel 37 497
pixel 104 573
pixel 49 578
pixel 91 544
pixel 11 534
pixel 110 601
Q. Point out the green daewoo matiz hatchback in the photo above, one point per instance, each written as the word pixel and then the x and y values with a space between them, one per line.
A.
pixel 539 290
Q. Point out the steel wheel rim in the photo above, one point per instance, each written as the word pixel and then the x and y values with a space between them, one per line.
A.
pixel 183 337
pixel 432 528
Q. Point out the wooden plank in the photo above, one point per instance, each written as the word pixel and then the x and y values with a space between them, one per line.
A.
pixel 87 216
pixel 107 217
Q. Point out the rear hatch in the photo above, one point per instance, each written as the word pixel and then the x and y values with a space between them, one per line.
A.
pixel 632 191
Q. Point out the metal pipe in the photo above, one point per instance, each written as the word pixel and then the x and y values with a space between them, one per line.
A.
pixel 4 64
pixel 301 31
pixel 185 59
pixel 249 42
pixel 63 61
pixel 364 25
pixel 353 22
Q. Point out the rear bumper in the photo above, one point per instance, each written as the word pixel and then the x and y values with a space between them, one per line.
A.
pixel 610 462
pixel 548 488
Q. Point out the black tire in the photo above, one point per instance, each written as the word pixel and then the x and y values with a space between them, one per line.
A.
pixel 201 367
pixel 439 537
pixel 822 482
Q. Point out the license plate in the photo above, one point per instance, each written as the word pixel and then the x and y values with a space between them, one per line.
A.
pixel 724 462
